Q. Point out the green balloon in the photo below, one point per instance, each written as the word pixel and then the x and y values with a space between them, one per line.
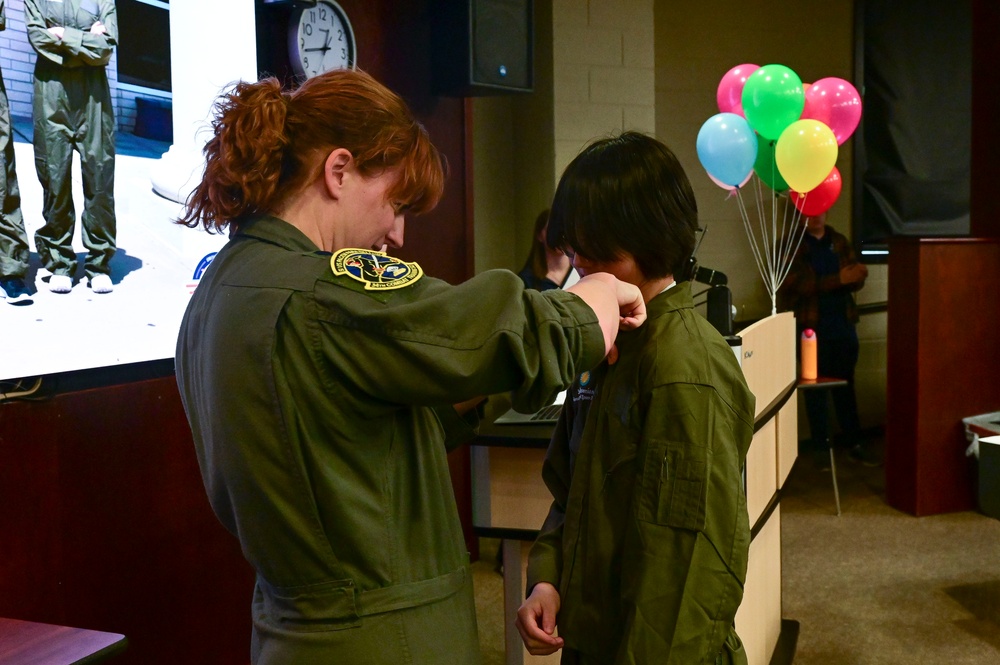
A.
pixel 766 168
pixel 772 100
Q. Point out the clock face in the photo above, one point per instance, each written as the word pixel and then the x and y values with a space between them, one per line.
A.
pixel 320 38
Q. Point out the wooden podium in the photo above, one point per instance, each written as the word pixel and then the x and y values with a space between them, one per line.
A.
pixel 943 359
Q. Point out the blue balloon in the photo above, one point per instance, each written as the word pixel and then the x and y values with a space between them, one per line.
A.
pixel 727 148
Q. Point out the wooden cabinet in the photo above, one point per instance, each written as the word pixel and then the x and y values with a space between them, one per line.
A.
pixel 943 365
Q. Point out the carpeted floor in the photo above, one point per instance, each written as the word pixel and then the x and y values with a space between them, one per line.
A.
pixel 873 586
pixel 877 585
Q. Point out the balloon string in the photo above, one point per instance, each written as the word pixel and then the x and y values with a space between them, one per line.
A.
pixel 787 234
pixel 759 204
pixel 773 253
pixel 745 217
pixel 774 220
pixel 765 241
pixel 801 234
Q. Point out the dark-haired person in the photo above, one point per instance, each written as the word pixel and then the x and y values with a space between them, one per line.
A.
pixel 546 267
pixel 72 110
pixel 643 555
pixel 14 250
pixel 820 288
pixel 318 372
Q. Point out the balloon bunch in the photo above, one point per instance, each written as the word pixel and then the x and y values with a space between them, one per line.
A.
pixel 787 133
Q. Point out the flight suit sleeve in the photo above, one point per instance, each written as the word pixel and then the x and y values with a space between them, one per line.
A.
pixel 78 45
pixel 441 344
pixel 686 583
pixel 545 556
pixel 44 42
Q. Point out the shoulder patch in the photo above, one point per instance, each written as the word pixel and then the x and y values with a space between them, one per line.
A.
pixel 376 270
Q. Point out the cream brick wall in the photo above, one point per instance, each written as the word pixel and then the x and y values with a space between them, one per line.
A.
pixel 604 79
pixel 653 66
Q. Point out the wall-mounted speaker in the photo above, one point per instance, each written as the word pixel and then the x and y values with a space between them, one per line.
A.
pixel 483 47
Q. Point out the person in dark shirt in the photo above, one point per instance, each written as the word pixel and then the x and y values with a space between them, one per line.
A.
pixel 547 267
pixel 820 290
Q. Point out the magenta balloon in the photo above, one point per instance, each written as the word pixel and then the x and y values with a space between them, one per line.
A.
pixel 729 94
pixel 836 103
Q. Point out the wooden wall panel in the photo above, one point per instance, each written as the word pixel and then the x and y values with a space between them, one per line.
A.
pixel 942 362
pixel 105 525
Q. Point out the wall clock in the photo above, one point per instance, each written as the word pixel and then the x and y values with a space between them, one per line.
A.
pixel 320 38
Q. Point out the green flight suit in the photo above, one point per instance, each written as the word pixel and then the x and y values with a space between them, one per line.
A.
pixel 72 110
pixel 321 413
pixel 648 535
pixel 14 250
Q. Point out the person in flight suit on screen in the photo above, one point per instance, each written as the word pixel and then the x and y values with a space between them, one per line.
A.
pixel 72 110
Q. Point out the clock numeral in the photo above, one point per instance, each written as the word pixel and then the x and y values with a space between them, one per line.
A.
pixel 343 54
pixel 305 62
pixel 322 14
pixel 312 15
pixel 340 35
pixel 307 29
pixel 302 42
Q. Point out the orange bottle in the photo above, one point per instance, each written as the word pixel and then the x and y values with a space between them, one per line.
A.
pixel 807 354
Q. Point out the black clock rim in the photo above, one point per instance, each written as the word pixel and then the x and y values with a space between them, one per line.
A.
pixel 293 24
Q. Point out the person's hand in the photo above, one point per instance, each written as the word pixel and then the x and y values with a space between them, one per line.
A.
pixel 536 620
pixel 58 31
pixel 631 305
pixel 853 273
pixel 463 408
pixel 617 304
pixel 98 29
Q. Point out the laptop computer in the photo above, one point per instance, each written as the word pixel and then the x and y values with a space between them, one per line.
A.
pixel 547 414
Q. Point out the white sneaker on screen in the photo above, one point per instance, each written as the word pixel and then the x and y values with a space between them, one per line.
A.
pixel 101 284
pixel 60 284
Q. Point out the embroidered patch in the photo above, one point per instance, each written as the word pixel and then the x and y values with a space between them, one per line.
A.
pixel 376 270
pixel 584 379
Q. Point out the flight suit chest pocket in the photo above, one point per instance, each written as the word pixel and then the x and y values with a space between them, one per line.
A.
pixel 673 488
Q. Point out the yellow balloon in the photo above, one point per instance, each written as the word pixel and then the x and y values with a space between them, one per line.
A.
pixel 805 153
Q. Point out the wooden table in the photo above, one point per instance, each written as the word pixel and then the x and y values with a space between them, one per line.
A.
pixel 30 643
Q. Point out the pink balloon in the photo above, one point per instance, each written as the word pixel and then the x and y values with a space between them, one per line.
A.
pixel 729 187
pixel 836 103
pixel 729 94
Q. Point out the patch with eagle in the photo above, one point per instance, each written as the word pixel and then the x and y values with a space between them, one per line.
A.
pixel 376 270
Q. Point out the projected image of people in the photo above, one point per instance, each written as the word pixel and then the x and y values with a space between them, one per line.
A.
pixel 72 111
pixel 14 250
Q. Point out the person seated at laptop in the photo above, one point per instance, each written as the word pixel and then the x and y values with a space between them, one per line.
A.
pixel 643 555
pixel 547 267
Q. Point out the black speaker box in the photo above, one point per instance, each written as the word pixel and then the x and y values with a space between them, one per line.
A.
pixel 483 47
